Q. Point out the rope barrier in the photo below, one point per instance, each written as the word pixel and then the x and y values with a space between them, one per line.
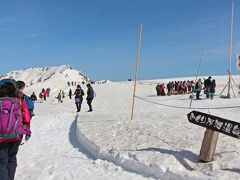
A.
pixel 183 107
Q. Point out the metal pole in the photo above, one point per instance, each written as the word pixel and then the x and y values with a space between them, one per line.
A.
pixel 230 53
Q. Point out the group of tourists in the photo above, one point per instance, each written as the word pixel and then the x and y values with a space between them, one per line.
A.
pixel 187 87
pixel 175 87
pixel 208 85
pixel 16 113
pixel 74 83
pixel 79 93
pixel 44 94
pixel 60 96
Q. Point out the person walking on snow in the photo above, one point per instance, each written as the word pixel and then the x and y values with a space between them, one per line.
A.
pixel 63 94
pixel 212 89
pixel 70 93
pixel 9 145
pixel 30 103
pixel 198 88
pixel 79 93
pixel 48 92
pixel 207 86
pixel 59 97
pixel 33 96
pixel 90 96
pixel 44 93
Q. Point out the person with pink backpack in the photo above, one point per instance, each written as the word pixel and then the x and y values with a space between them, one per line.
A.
pixel 13 125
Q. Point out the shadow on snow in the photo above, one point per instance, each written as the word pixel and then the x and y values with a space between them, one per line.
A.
pixel 73 140
pixel 179 155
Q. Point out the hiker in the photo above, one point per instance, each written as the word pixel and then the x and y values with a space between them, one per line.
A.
pixel 90 96
pixel 27 104
pixel 158 90
pixel 59 97
pixel 212 89
pixel 162 91
pixel 33 96
pixel 169 89
pixel 41 96
pixel 63 94
pixel 207 86
pixel 30 103
pixel 17 113
pixel 48 92
pixel 190 86
pixel 198 88
pixel 79 93
pixel 70 93
pixel 44 94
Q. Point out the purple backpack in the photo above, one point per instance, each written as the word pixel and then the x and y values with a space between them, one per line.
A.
pixel 11 123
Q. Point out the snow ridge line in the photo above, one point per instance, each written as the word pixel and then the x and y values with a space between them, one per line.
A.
pixel 131 165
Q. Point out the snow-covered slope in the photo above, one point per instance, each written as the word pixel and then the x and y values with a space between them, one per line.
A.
pixel 63 73
pixel 158 143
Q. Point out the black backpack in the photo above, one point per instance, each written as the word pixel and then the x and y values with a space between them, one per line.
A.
pixel 197 85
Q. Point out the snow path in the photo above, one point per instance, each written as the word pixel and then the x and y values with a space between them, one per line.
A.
pixel 53 151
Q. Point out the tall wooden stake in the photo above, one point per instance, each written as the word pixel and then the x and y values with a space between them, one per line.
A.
pixel 136 73
pixel 230 56
pixel 198 68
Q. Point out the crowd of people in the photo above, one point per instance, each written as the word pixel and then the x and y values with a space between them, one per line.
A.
pixel 187 87
pixel 209 86
pixel 43 94
pixel 79 93
pixel 175 87
pixel 16 112
pixel 74 83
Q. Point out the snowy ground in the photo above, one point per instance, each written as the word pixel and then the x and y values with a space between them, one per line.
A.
pixel 53 152
pixel 158 143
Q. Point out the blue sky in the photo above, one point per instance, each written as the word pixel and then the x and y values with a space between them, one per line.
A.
pixel 99 37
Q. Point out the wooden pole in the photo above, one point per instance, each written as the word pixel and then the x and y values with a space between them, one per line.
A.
pixel 136 73
pixel 208 146
pixel 198 68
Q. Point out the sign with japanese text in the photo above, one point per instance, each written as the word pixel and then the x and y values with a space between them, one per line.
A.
pixel 215 123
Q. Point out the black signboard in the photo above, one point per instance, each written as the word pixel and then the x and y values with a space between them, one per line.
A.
pixel 215 123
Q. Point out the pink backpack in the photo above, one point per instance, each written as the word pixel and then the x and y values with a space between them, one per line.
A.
pixel 11 123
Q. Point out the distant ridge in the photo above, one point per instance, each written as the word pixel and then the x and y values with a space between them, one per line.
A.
pixel 62 73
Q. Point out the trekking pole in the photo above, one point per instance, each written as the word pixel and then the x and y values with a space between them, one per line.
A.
pixel 136 73
pixel 198 68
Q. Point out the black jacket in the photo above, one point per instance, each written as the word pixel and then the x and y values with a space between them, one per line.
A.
pixel 90 93
pixel 79 93
pixel 212 87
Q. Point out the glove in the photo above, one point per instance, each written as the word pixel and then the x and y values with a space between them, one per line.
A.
pixel 27 137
